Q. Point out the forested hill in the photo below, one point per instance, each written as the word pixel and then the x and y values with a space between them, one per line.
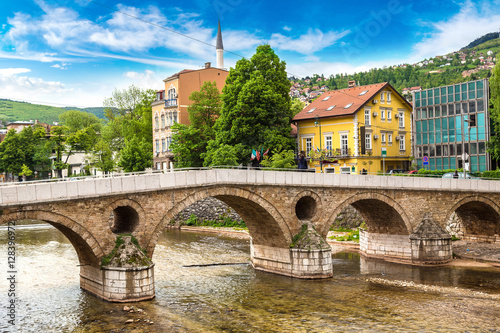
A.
pixel 481 40
pixel 460 66
pixel 21 111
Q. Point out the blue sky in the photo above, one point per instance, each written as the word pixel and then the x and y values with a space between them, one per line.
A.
pixel 76 52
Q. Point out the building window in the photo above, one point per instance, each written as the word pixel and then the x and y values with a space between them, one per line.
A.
pixel 344 145
pixel 401 119
pixel 383 137
pixel 367 117
pixel 308 145
pixel 389 115
pixel 175 117
pixel 382 99
pixel 328 142
pixel 388 97
pixel 162 121
pixel 157 145
pixel 382 113
pixel 163 145
pixel 402 142
pixel 157 122
pixel 368 141
pixel 389 138
pixel 169 142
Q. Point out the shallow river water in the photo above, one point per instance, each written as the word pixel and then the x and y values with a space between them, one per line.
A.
pixel 363 296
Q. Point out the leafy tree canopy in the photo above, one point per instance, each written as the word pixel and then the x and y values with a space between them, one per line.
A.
pixel 256 108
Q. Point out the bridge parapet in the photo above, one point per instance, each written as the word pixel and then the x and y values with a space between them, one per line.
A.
pixel 27 193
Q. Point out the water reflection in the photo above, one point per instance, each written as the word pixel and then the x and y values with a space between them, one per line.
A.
pixel 236 298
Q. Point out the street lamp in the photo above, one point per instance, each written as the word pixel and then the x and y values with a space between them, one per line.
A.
pixel 317 122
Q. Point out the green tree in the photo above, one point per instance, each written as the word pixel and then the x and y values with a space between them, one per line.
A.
pixel 129 122
pixel 284 159
pixel 102 157
pixel 189 142
pixel 58 141
pixel 136 156
pixel 494 143
pixel 12 154
pixel 256 108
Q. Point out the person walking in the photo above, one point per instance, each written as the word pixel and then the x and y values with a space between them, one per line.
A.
pixel 302 165
pixel 455 175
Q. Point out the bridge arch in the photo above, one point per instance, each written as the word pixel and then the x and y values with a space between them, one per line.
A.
pixel 85 244
pixel 124 216
pixel 480 216
pixel 265 224
pixel 381 213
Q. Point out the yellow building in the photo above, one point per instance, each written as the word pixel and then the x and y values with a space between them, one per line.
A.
pixel 367 127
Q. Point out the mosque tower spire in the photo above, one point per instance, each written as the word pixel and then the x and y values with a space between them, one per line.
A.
pixel 219 50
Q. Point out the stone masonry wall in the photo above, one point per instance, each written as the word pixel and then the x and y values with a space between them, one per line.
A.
pixel 207 209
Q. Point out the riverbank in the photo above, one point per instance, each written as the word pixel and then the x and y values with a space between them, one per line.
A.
pixel 466 254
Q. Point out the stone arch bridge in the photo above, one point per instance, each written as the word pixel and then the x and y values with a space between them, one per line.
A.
pixel 405 217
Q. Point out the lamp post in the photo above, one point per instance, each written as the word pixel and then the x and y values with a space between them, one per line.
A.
pixel 317 122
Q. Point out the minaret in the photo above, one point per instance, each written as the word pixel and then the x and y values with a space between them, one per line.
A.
pixel 219 50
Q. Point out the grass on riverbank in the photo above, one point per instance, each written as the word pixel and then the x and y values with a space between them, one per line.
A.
pixel 348 235
pixel 222 222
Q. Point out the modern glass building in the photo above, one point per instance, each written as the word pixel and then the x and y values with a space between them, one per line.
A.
pixel 449 121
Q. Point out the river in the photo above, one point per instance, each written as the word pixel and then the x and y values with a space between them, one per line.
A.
pixel 363 296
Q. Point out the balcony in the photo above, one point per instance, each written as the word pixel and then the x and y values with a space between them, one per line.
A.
pixel 171 102
pixel 343 152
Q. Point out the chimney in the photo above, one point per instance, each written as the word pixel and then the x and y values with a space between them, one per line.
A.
pixel 352 84
pixel 208 64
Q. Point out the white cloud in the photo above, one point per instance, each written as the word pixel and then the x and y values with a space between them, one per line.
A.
pixel 148 79
pixel 63 66
pixel 314 40
pixel 13 71
pixel 287 28
pixel 451 35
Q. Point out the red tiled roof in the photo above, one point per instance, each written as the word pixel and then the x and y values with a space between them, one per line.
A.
pixel 179 73
pixel 340 98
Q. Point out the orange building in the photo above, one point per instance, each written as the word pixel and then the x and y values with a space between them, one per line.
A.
pixel 171 104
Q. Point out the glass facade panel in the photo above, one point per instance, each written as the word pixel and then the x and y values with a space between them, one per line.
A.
pixel 481 130
pixel 480 105
pixel 417 95
pixel 480 92
pixel 473 164
pixel 458 127
pixel 482 163
pixel 481 148
pixel 431 131
pixel 451 129
pixel 424 132
pixel 446 163
pixel 418 133
pixel 440 127
pixel 437 129
pixel 465 107
pixel 472 106
pixel 473 148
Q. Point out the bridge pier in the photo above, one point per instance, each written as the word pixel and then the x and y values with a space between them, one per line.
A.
pixel 310 257
pixel 127 275
pixel 429 244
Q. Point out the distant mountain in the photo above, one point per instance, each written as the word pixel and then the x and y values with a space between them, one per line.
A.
pixel 22 111
pixel 98 111
pixel 481 40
